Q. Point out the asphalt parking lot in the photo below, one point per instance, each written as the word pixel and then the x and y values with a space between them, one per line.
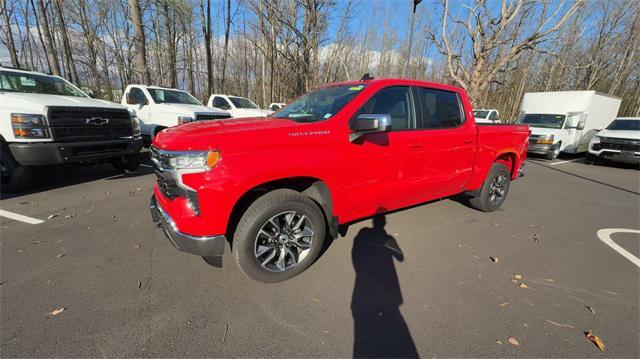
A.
pixel 464 283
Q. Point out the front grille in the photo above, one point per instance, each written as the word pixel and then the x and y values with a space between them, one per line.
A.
pixel 212 117
pixel 608 143
pixel 76 124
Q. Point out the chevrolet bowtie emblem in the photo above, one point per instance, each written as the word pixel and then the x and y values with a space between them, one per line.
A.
pixel 97 121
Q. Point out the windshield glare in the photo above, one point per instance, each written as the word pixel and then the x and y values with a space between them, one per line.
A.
pixel 480 114
pixel 241 102
pixel 320 104
pixel 172 96
pixel 625 125
pixel 543 120
pixel 34 83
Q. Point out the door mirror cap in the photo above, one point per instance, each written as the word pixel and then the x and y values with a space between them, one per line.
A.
pixel 369 123
pixel 580 126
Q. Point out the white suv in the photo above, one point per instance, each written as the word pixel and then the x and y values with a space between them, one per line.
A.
pixel 619 142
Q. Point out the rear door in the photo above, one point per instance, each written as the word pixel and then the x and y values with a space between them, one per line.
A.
pixel 448 140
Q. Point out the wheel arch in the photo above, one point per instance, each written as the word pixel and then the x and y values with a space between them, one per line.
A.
pixel 312 187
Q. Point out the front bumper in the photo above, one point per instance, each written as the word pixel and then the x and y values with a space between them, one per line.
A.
pixel 540 149
pixel 55 153
pixel 617 156
pixel 205 246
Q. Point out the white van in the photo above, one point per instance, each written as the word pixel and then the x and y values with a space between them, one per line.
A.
pixel 565 121
pixel 158 108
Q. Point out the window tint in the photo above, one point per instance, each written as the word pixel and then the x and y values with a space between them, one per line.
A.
pixel 440 109
pixel 395 102
pixel 219 102
pixel 137 95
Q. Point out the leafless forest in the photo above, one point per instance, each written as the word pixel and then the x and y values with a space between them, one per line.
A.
pixel 272 51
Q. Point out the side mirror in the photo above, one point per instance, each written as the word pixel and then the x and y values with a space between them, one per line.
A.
pixel 580 125
pixel 131 100
pixel 369 123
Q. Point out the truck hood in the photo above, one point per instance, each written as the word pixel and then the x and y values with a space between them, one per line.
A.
pixel 37 102
pixel 631 135
pixel 545 131
pixel 213 134
pixel 186 109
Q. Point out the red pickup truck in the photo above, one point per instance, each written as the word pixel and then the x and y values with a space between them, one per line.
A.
pixel 275 187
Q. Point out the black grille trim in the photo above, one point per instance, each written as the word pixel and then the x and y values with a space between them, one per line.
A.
pixel 212 117
pixel 71 124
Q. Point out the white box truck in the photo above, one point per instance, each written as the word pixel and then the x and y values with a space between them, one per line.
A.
pixel 565 121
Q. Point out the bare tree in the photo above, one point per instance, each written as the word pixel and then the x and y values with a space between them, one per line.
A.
pixel 6 24
pixel 205 12
pixel 140 43
pixel 50 50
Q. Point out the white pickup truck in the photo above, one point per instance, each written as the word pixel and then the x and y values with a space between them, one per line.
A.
pixel 619 142
pixel 45 120
pixel 484 115
pixel 158 108
pixel 238 107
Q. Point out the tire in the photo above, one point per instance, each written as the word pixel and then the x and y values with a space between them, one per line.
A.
pixel 14 177
pixel 484 201
pixel 278 212
pixel 554 153
pixel 127 163
pixel 591 159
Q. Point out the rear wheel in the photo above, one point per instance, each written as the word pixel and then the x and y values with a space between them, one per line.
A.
pixel 279 236
pixel 494 190
pixel 14 177
pixel 591 159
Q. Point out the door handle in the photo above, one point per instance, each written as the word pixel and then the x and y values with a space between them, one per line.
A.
pixel 467 142
pixel 415 146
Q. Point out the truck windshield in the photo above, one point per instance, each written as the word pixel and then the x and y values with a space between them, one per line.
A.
pixel 625 125
pixel 241 102
pixel 320 104
pixel 543 120
pixel 11 81
pixel 480 114
pixel 172 96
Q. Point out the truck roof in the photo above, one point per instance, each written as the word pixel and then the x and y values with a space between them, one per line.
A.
pixel 13 69
pixel 156 87
pixel 396 81
pixel 573 93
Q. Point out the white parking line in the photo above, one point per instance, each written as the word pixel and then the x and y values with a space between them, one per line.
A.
pixel 143 165
pixel 561 162
pixel 605 236
pixel 19 217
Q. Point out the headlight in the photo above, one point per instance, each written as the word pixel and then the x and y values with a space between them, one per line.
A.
pixel 545 140
pixel 184 119
pixel 194 160
pixel 29 126
pixel 135 126
pixel 595 139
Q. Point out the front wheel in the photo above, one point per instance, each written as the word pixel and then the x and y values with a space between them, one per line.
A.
pixel 494 190
pixel 279 236
pixel 553 154
pixel 14 177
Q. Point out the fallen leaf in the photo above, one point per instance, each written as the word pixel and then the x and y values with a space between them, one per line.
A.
pixel 52 216
pixel 503 304
pixel 517 276
pixel 136 246
pixel 36 242
pixel 70 216
pixel 522 285
pixel 139 284
pixel 536 238
pixel 591 309
pixel 514 341
pixel 494 259
pixel 554 323
pixel 60 255
pixel 58 311
pixel 498 341
pixel 595 340
pixel 610 292
pixel 549 280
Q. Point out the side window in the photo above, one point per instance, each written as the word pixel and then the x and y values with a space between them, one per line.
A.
pixel 440 109
pixel 395 102
pixel 220 102
pixel 137 95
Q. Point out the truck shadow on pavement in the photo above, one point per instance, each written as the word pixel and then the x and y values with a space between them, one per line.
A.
pixel 58 177
pixel 379 328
